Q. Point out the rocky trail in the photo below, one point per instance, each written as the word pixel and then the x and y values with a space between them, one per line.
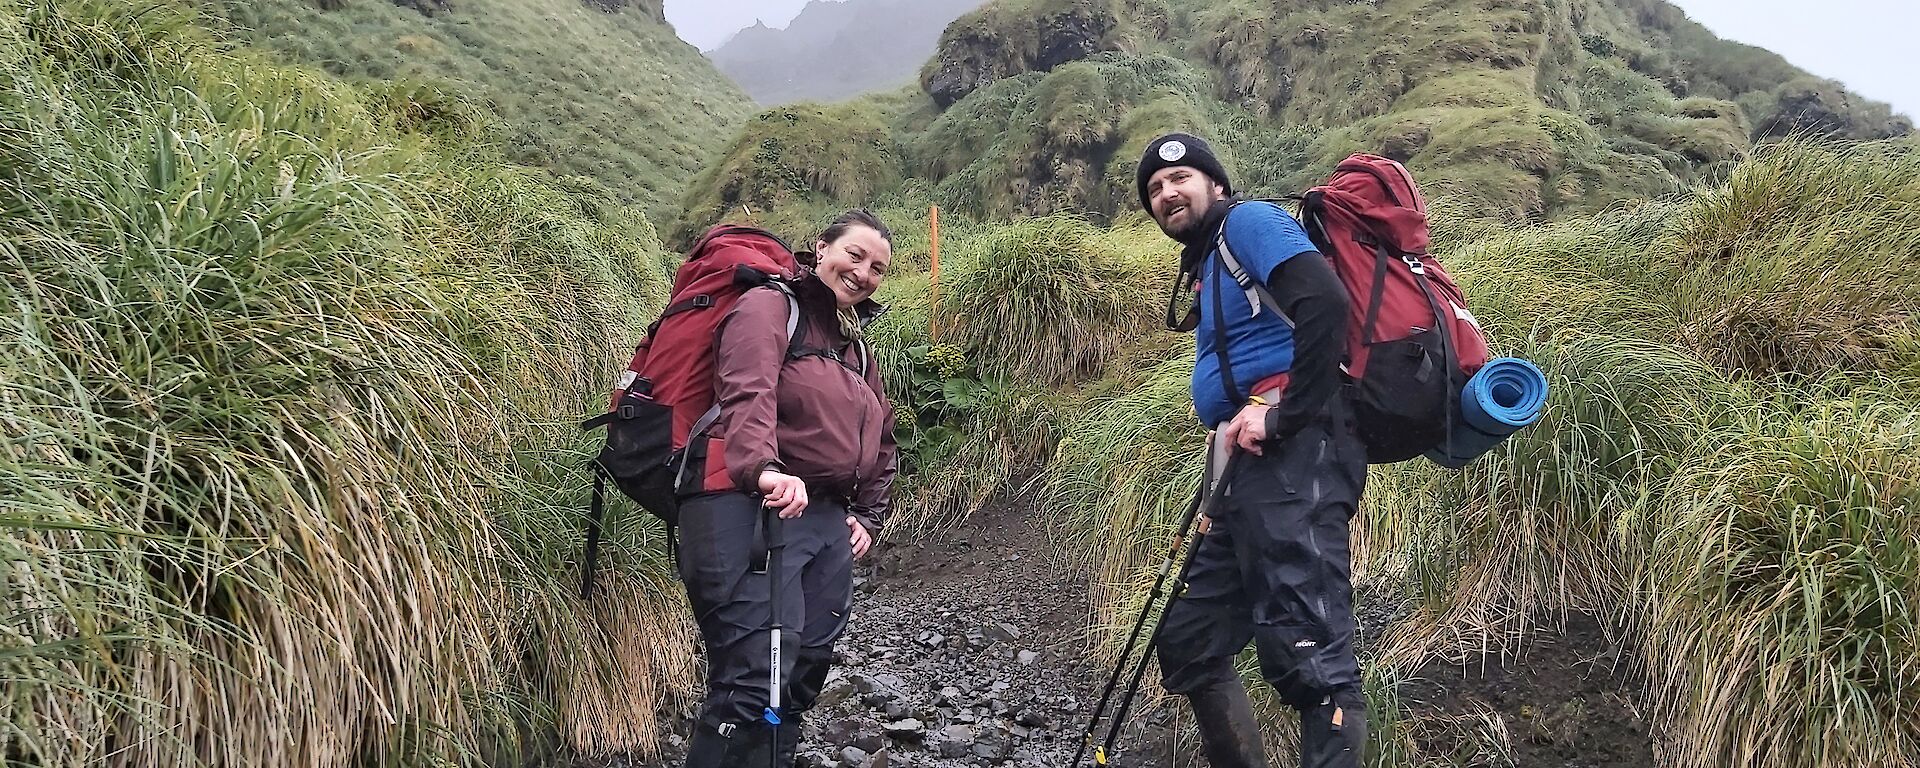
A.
pixel 964 650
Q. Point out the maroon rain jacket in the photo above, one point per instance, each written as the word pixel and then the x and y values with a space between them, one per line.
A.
pixel 811 415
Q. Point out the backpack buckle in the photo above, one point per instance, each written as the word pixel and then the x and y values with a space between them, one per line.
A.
pixel 702 301
pixel 1413 263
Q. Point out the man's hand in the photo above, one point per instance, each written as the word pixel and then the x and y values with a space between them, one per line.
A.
pixel 861 539
pixel 1247 428
pixel 784 492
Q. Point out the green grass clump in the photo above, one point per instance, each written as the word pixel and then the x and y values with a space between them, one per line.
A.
pixel 1727 485
pixel 288 385
pixel 1041 301
pixel 579 89
pixel 1122 472
pixel 796 157
pixel 1797 264
pixel 1784 580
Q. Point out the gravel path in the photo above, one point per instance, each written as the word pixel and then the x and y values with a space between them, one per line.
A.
pixel 963 651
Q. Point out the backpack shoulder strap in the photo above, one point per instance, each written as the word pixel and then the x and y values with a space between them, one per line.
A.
pixel 794 336
pixel 707 420
pixel 1257 293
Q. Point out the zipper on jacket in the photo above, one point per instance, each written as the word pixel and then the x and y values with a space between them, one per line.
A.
pixel 859 464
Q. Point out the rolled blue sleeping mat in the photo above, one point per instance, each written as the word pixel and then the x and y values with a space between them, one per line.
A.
pixel 1505 396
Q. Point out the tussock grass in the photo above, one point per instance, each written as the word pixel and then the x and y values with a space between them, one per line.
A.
pixel 1796 264
pixel 287 381
pixel 1041 301
pixel 1784 581
pixel 1003 431
pixel 1724 511
pixel 1119 479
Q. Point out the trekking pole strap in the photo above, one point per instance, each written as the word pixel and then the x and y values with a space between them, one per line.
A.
pixel 594 509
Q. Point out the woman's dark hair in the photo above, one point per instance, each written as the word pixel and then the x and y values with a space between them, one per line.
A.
pixel 856 217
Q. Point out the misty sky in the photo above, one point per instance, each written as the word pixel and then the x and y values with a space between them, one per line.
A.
pixel 1867 44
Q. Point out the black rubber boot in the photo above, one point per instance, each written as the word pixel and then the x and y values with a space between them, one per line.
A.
pixel 1334 735
pixel 1228 732
pixel 730 746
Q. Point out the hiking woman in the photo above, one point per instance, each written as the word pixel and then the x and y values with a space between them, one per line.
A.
pixel 806 430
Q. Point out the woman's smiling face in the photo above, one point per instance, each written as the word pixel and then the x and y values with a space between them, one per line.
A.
pixel 853 264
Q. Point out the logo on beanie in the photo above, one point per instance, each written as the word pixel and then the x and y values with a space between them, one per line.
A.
pixel 1172 150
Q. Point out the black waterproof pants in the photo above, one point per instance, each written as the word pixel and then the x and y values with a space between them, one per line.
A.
pixel 1274 569
pixel 731 603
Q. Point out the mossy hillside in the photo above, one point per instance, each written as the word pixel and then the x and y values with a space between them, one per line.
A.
pixel 1778 98
pixel 1577 121
pixel 582 87
pixel 1452 89
pixel 1045 142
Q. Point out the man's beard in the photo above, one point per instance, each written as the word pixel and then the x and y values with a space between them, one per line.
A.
pixel 1193 217
pixel 1200 222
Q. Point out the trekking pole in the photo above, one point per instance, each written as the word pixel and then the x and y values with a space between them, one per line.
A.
pixel 775 551
pixel 1179 585
pixel 1153 595
pixel 1133 637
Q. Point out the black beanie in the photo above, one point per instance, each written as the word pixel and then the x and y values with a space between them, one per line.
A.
pixel 1179 149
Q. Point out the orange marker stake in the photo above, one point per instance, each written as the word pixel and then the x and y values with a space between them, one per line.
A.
pixel 933 312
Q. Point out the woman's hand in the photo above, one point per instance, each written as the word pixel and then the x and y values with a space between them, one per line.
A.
pixel 861 540
pixel 784 492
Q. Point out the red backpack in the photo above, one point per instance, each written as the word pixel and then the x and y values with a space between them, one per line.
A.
pixel 662 406
pixel 1407 321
